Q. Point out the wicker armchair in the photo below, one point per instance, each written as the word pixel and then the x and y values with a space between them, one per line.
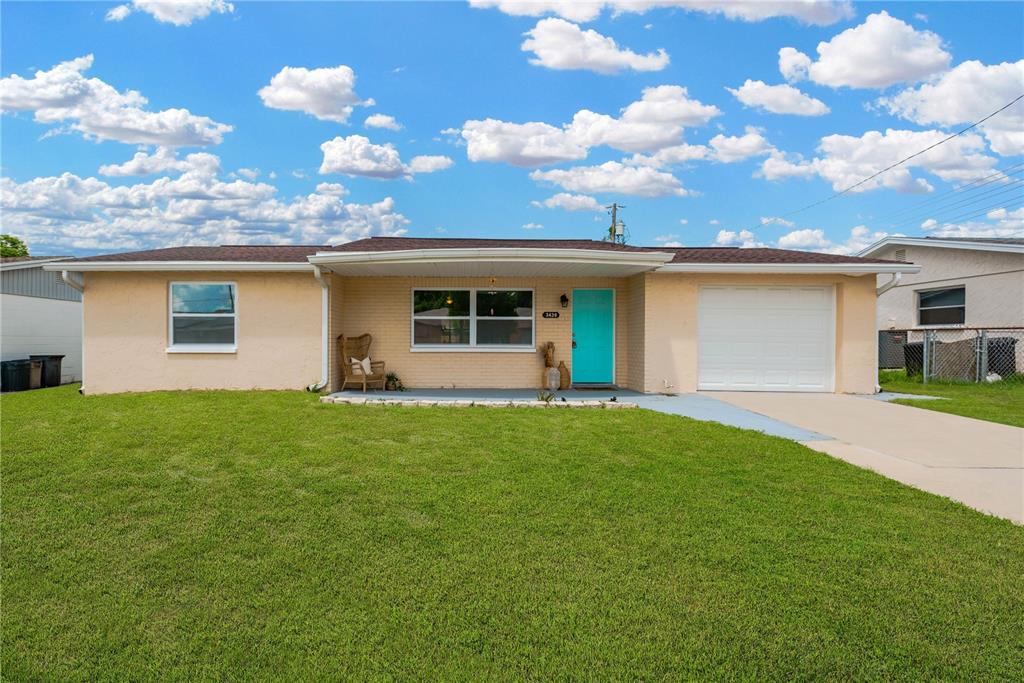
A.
pixel 358 348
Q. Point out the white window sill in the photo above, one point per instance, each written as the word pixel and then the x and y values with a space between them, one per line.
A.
pixel 472 349
pixel 202 348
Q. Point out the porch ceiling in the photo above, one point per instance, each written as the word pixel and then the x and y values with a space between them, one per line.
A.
pixel 491 262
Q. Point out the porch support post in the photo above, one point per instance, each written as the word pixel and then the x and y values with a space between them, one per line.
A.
pixel 325 333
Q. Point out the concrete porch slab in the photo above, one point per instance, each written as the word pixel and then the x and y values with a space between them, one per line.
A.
pixel 696 406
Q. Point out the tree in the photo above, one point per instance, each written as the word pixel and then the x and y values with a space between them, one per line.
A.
pixel 12 246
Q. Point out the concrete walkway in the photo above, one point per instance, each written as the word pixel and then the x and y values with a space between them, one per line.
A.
pixel 978 463
pixel 697 406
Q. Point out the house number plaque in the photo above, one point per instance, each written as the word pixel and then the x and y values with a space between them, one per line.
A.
pixel 550 314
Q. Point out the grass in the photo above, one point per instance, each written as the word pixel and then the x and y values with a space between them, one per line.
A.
pixel 263 535
pixel 997 402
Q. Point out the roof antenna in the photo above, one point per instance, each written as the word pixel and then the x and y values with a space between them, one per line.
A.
pixel 617 230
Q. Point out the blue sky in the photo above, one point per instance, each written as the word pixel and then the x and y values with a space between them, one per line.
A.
pixel 248 121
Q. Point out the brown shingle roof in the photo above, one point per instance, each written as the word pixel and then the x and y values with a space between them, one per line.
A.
pixel 16 259
pixel 298 254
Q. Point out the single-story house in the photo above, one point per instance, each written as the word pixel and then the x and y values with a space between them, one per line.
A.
pixel 39 313
pixel 971 282
pixel 472 313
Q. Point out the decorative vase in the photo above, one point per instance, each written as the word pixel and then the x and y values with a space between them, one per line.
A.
pixel 563 375
pixel 551 379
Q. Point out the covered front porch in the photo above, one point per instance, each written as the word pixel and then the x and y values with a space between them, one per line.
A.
pixel 479 318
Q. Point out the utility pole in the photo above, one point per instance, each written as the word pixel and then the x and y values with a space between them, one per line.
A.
pixel 617 230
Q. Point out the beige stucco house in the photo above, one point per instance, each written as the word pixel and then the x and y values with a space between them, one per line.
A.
pixel 473 313
pixel 969 282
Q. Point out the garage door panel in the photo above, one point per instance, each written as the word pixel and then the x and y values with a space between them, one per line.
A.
pixel 769 338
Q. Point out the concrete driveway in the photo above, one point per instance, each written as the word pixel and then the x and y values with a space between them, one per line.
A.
pixel 978 463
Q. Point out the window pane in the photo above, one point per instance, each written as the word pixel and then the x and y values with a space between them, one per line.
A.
pixel 504 304
pixel 943 297
pixel 504 332
pixel 202 330
pixel 427 331
pixel 203 298
pixel 942 316
pixel 440 302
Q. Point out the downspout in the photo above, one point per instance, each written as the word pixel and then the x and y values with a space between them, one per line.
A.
pixel 325 332
pixel 879 291
pixel 80 287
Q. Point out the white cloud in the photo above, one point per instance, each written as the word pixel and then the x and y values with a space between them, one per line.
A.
pixel 327 93
pixel 671 156
pixel 382 121
pixel 714 221
pixel 532 226
pixel 731 238
pixel 163 160
pixel 177 12
pixel 793 64
pixel 613 177
pixel 559 44
pixel 878 53
pixel 1000 223
pixel 807 238
pixel 778 99
pixel 775 220
pixel 569 202
pixel 814 239
pixel 100 112
pixel 845 160
pixel 68 212
pixel 683 221
pixel 355 155
pixel 967 93
pixel 655 121
pixel 817 12
pixel 670 240
pixel 729 149
pixel 248 173
pixel 573 10
pixel 429 163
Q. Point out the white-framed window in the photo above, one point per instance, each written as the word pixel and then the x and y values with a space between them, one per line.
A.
pixel 203 317
pixel 946 306
pixel 491 319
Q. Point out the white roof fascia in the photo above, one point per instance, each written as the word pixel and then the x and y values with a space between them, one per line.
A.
pixel 142 266
pixel 942 244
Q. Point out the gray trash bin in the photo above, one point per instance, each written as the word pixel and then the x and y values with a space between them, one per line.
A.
pixel 51 369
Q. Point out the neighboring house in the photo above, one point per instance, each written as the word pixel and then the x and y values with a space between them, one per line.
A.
pixel 473 312
pixel 40 313
pixel 969 282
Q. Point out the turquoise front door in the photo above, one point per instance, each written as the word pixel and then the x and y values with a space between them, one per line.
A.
pixel 593 336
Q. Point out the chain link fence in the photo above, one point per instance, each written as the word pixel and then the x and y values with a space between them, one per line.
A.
pixel 962 354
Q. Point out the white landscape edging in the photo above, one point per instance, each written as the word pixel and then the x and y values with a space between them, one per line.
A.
pixel 465 403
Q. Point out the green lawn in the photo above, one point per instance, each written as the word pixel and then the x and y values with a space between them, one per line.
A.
pixel 262 535
pixel 997 402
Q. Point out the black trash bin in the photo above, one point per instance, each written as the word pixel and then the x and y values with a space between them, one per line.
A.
pixel 14 375
pixel 1002 356
pixel 913 358
pixel 51 369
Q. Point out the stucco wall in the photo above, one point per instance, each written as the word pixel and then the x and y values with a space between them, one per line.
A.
pixel 383 307
pixel 126 320
pixel 993 283
pixel 33 325
pixel 670 348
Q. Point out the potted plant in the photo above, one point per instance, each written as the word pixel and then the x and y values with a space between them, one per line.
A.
pixel 392 382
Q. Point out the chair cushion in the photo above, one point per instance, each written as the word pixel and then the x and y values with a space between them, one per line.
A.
pixel 361 365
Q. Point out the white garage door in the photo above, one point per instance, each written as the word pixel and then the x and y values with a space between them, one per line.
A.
pixel 766 338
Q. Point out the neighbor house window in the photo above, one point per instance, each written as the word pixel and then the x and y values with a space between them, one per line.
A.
pixel 203 316
pixel 472 318
pixel 942 306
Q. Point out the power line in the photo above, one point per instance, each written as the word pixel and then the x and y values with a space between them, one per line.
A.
pixel 904 160
pixel 966 189
pixel 986 196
